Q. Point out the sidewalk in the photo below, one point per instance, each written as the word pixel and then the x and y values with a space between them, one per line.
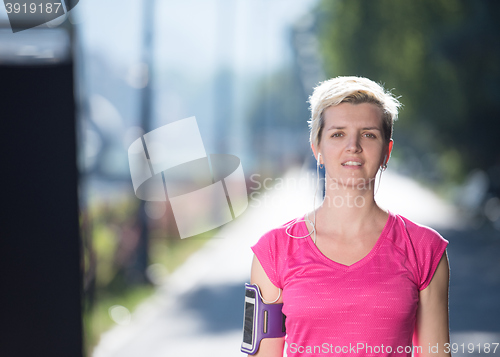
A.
pixel 199 310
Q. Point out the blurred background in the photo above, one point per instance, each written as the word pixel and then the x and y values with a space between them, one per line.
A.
pixel 245 69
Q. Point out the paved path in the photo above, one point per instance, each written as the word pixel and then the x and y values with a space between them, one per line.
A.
pixel 198 311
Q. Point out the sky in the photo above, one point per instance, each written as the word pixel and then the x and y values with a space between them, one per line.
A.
pixel 192 33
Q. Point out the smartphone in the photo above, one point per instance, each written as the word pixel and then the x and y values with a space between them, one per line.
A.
pixel 250 320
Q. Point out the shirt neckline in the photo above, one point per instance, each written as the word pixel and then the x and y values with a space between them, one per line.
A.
pixel 387 227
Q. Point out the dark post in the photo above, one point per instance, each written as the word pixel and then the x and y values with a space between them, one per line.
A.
pixel 142 257
pixel 40 259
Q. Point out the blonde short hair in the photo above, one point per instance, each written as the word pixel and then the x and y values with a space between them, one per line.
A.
pixel 354 90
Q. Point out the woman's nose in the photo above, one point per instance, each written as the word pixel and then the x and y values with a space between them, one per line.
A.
pixel 353 144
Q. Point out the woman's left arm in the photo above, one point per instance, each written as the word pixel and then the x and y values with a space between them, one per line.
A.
pixel 432 327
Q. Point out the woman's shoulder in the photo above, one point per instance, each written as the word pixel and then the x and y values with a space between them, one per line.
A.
pixel 273 249
pixel 281 234
pixel 410 236
pixel 414 230
pixel 422 245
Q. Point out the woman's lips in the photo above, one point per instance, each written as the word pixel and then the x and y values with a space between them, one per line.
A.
pixel 351 164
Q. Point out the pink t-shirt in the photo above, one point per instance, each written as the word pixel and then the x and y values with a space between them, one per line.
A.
pixel 365 309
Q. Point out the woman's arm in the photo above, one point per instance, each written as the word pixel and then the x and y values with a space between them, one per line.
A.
pixel 432 326
pixel 269 347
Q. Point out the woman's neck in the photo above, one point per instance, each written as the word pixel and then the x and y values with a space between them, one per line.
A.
pixel 348 209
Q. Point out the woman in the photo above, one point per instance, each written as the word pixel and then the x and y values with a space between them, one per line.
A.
pixel 354 279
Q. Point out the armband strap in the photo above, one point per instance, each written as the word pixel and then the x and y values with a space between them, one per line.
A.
pixel 261 320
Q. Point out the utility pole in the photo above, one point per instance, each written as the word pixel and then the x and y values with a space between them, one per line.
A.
pixel 142 256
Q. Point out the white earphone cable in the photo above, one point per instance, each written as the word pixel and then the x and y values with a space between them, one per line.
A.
pixel 313 223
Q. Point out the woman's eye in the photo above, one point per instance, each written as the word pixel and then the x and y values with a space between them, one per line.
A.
pixel 336 135
pixel 370 135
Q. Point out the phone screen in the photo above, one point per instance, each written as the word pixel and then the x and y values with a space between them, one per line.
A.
pixel 249 317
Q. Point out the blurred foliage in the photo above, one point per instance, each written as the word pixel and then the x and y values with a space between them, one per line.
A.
pixel 96 319
pixel 443 59
pixel 277 122
pixel 111 232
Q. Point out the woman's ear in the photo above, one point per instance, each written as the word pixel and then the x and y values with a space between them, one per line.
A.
pixel 314 151
pixel 389 151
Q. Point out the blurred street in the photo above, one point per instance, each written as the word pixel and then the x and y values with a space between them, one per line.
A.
pixel 199 310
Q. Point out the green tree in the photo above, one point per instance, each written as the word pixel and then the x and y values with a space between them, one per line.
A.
pixel 443 58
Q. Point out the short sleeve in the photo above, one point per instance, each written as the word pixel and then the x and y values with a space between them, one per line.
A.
pixel 429 247
pixel 267 252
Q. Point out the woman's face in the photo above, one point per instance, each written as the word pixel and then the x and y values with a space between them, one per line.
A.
pixel 352 146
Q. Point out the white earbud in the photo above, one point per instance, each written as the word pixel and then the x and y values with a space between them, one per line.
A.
pixel 383 167
pixel 319 155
